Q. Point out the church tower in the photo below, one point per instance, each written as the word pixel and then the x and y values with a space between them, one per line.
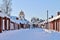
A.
pixel 21 15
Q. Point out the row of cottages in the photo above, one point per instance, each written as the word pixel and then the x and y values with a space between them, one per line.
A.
pixel 21 24
pixel 53 23
pixel 6 23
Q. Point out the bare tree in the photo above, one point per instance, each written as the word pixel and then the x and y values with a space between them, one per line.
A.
pixel 7 7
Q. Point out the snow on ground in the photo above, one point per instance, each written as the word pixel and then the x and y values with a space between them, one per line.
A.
pixel 29 34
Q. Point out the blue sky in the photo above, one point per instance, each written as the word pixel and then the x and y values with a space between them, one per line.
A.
pixel 35 8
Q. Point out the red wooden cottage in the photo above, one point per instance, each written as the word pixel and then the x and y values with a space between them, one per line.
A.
pixel 4 22
pixel 53 23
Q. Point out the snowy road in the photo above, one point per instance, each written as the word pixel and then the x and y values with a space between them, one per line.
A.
pixel 29 34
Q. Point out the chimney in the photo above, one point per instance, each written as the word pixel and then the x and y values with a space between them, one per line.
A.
pixel 52 16
pixel 17 18
pixel 58 13
pixel 0 11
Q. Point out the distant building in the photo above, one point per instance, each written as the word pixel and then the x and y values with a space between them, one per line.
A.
pixel 35 21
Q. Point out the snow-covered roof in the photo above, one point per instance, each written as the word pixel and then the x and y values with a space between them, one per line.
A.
pixel 20 21
pixel 13 17
pixel 52 19
pixel 3 15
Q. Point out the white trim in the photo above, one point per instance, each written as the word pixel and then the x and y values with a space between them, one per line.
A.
pixel 3 25
pixel 7 24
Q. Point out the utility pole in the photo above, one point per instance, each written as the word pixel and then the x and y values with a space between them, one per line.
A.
pixel 7 7
pixel 47 20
